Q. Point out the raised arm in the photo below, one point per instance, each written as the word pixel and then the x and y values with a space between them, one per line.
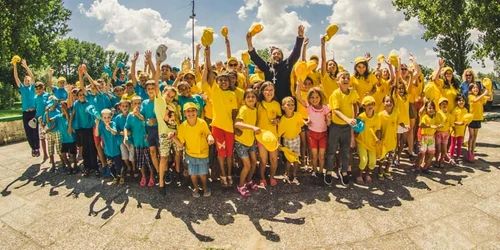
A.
pixel 51 73
pixel 418 71
pixel 16 76
pixel 440 66
pixel 304 49
pixel 132 68
pixel 80 78
pixel 295 55
pixel 255 57
pixel 323 56
pixel 228 47
pixel 91 80
pixel 298 93
pixel 207 71
pixel 197 60
pixel 114 74
pixel 149 62
pixel 30 74
pixel 157 77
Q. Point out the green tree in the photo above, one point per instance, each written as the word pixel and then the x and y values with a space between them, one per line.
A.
pixel 426 70
pixel 264 54
pixel 485 17
pixel 447 21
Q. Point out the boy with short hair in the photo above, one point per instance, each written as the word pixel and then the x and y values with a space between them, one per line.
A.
pixel 109 134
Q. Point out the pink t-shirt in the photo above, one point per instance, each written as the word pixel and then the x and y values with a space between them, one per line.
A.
pixel 318 118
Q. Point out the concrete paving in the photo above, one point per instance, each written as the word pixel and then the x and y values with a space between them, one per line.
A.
pixel 454 208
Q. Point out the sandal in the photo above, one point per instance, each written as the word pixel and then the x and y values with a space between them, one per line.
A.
pixel 229 180
pixel 223 181
pixel 136 173
pixel 85 173
pixel 359 180
pixel 263 183
pixel 207 193
pixel 243 191
pixel 380 176
pixel 195 193
pixel 151 182
pixel 129 171
pixel 33 153
pixel 143 182
pixel 388 175
pixel 273 182
pixel 251 185
pixel 368 179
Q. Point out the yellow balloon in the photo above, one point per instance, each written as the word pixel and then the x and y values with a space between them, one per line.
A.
pixel 208 37
pixel 255 29
pixel 331 31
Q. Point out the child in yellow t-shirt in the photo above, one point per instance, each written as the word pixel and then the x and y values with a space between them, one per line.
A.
pixel 194 134
pixel 402 104
pixel 443 133
pixel 244 144
pixel 268 114
pixel 368 140
pixel 304 135
pixel 329 70
pixel 289 129
pixel 428 124
pixel 458 130
pixel 344 105
pixel 389 124
pixel 476 102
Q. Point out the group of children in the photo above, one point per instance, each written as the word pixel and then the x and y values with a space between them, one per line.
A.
pixel 155 122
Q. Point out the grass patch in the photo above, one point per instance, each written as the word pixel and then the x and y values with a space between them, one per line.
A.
pixel 10 112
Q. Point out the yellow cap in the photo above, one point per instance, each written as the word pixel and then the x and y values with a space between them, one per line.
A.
pixel 190 105
pixel 77 84
pixel 488 84
pixel 368 100
pixel 290 155
pixel 224 31
pixel 331 31
pixel 245 57
pixel 255 29
pixel 232 59
pixel 340 67
pixel 62 78
pixel 208 37
pixel 312 65
pixel 468 118
pixel 442 99
pixel 301 70
pixel 446 69
pixel 268 140
pixel 380 58
pixel 16 59
pixel 314 57
pixel 393 59
pixel 359 59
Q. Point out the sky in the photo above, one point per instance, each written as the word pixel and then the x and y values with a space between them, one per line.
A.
pixel 374 26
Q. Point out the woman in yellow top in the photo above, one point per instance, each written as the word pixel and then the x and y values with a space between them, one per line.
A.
pixel 476 102
pixel 443 134
pixel 428 124
pixel 194 134
pixel 458 130
pixel 268 113
pixel 368 140
pixel 362 80
pixel 244 144
pixel 225 109
pixel 450 87
pixel 329 70
pixel 344 105
pixel 289 128
pixel 402 103
pixel 389 121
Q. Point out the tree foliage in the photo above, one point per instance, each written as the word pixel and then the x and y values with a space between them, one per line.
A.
pixel 452 49
pixel 264 54
pixel 454 18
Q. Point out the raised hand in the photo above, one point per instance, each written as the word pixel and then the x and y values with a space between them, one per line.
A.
pixel 198 47
pixel 300 31
pixel 323 40
pixel 51 72
pixel 412 58
pixel 136 56
pixel 147 55
pixel 24 64
pixel 368 56
pixel 440 62
pixel 306 41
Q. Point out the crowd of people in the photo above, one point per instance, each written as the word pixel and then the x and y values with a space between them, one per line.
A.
pixel 162 124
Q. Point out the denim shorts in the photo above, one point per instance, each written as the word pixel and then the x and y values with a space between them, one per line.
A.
pixel 242 150
pixel 196 166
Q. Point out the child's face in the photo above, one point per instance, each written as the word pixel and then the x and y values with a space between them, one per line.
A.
pixel 401 89
pixel 106 118
pixel 150 89
pixel 269 93
pixel 61 84
pixel 136 104
pixel 315 99
pixel 331 67
pixel 475 90
pixel 307 85
pixel 27 81
pixel 461 103
pixel 232 80
pixel 388 103
pixel 118 92
pixel 190 113
pixel 184 91
pixel 223 83
pixel 122 77
pixel 169 95
pixel 124 107
pixel 385 74
pixel 430 110
pixel 378 75
pixel 443 106
pixel 288 106
pixel 369 107
pixel 250 100
pixel 448 75
pixel 39 89
pixel 143 80
pixel 343 81
pixel 130 89
pixel 81 96
pixel 361 68
pixel 189 78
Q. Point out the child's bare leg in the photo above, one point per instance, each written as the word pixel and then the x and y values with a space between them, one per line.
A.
pixel 194 180
pixel 321 159
pixel 204 185
pixel 244 171
pixel 314 159
pixel 253 166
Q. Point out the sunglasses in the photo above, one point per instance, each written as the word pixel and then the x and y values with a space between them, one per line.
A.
pixel 468 75
pixel 39 87
pixel 404 69
pixel 182 89
pixel 233 64
pixel 189 78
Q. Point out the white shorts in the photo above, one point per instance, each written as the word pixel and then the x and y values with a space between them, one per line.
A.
pixel 128 152
pixel 402 130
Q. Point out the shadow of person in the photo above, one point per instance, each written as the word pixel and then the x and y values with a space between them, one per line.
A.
pixel 29 174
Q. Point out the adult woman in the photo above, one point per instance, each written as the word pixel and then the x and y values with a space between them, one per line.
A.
pixel 468 77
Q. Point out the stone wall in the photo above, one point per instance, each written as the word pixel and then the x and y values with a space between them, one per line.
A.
pixel 11 130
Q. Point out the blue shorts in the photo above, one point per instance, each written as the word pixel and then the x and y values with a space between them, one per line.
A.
pixel 242 150
pixel 153 139
pixel 196 166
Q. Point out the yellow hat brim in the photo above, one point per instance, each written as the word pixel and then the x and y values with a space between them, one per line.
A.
pixel 331 31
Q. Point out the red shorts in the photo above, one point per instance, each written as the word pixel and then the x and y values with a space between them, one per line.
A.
pixel 224 142
pixel 97 140
pixel 317 139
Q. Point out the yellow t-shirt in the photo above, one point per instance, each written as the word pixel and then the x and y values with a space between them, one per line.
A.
pixel 403 105
pixel 239 96
pixel 300 108
pixel 316 77
pixel 419 89
pixel 412 92
pixel 195 89
pixel 446 119
pixel 429 121
pixel 248 116
pixel 266 111
pixel 242 81
pixel 382 89
pixel 368 138
pixel 125 96
pixel 194 138
pixel 343 102
pixel 450 94
pixel 329 84
pixel 257 77
pixel 223 104
pixel 207 91
pixel 476 108
pixel 458 116
pixel 166 124
pixel 389 127
pixel 363 86
pixel 290 127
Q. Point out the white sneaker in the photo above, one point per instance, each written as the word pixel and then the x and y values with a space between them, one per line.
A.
pixel 286 179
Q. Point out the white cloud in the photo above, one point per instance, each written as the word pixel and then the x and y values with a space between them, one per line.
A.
pixel 198 31
pixel 135 30
pixel 430 52
pixel 373 20
pixel 323 2
pixel 250 5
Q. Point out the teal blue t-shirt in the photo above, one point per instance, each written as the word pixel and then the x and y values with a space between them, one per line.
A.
pixel 60 93
pixel 62 126
pixel 140 91
pixel 27 96
pixel 83 119
pixel 138 130
pixel 120 122
pixel 148 111
pixel 196 99
pixel 111 144
pixel 41 103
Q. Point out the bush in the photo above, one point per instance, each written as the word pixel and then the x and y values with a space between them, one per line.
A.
pixel 8 95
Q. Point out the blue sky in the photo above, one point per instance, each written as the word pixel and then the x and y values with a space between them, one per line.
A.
pixel 130 25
